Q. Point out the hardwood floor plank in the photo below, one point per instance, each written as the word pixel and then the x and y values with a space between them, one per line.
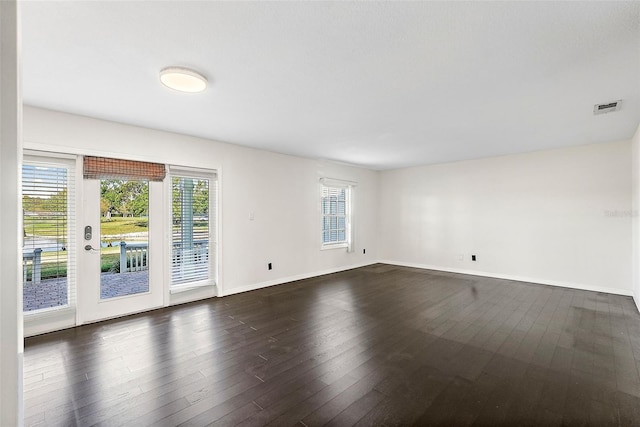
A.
pixel 335 406
pixel 378 345
pixel 310 369
pixel 275 407
pixel 295 414
pixel 357 410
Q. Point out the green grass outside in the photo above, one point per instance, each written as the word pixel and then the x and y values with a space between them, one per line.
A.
pixel 123 225
pixel 53 267
pixel 108 261
pixel 49 271
pixel 54 264
pixel 44 226
pixel 53 227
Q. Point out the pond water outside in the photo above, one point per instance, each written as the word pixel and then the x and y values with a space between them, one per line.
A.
pixel 117 243
pixel 47 244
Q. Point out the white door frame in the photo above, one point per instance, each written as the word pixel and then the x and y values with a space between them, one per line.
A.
pixel 91 308
pixel 56 318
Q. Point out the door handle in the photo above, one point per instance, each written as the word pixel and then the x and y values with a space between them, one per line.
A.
pixel 89 248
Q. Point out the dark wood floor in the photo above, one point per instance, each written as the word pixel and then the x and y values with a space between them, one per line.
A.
pixel 379 345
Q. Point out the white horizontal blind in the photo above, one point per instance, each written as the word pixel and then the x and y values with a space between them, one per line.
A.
pixel 335 202
pixel 190 229
pixel 48 254
pixel 213 228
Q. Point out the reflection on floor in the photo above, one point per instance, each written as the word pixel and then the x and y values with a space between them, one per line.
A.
pixel 378 345
pixel 53 292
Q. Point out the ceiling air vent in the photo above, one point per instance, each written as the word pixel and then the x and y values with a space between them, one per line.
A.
pixel 609 107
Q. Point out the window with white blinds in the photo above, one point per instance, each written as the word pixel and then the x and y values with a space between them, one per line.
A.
pixel 48 197
pixel 336 216
pixel 192 229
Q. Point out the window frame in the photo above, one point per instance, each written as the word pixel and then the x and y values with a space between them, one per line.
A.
pixel 70 163
pixel 348 187
pixel 195 173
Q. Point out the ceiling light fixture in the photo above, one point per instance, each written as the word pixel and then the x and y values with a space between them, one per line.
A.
pixel 183 79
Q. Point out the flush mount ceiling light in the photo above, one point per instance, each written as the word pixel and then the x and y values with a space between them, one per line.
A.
pixel 183 79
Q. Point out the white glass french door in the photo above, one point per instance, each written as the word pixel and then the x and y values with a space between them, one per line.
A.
pixel 120 270
pixel 48 252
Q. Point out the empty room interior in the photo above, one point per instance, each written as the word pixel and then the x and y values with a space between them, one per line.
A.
pixel 319 213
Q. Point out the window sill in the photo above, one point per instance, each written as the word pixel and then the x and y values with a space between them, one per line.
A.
pixel 334 246
pixel 190 286
pixel 49 311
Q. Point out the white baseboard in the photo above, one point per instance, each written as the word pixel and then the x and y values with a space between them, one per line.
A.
pixel 35 327
pixel 580 286
pixel 49 321
pixel 280 281
pixel 186 295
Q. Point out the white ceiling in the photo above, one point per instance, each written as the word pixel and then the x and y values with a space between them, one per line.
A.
pixel 378 84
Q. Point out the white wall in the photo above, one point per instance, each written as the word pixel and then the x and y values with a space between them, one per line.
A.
pixel 281 191
pixel 635 219
pixel 557 217
pixel 11 340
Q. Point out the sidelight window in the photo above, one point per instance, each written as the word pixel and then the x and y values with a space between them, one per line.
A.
pixel 192 228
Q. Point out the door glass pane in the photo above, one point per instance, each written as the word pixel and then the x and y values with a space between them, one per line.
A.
pixel 46 220
pixel 190 229
pixel 124 237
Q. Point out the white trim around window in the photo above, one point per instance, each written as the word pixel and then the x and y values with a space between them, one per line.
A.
pixel 336 214
pixel 64 315
pixel 184 273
